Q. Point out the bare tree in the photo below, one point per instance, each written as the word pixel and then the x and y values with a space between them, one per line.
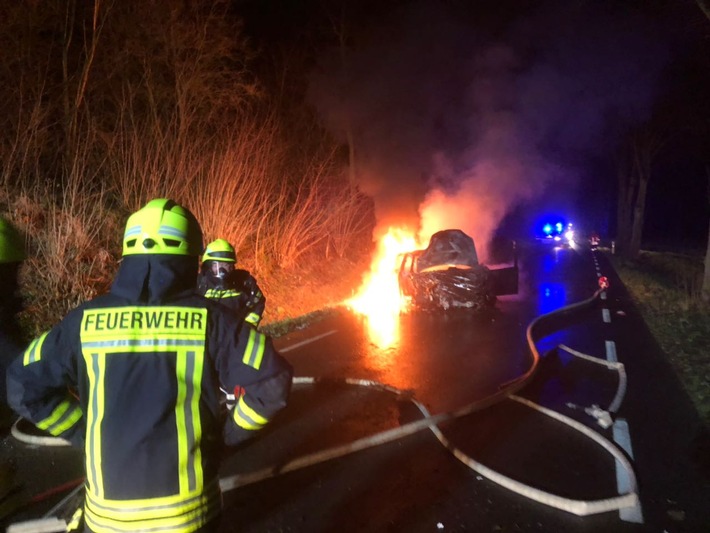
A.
pixel 646 146
pixel 342 31
pixel 634 173
pixel 705 292
pixel 75 92
pixel 624 200
pixel 704 6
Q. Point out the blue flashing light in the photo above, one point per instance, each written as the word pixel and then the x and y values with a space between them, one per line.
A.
pixel 547 228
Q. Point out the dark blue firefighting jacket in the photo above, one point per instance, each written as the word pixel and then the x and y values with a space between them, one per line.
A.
pixel 134 376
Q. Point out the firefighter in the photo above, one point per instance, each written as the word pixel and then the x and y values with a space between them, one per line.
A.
pixel 148 360
pixel 12 253
pixel 234 287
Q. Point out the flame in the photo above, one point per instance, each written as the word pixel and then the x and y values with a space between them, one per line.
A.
pixel 378 298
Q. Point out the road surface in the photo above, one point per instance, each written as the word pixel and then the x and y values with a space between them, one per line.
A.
pixel 438 363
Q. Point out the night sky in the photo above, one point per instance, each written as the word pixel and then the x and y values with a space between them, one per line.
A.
pixel 500 111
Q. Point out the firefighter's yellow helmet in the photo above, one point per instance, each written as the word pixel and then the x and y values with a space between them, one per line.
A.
pixel 220 250
pixel 12 248
pixel 162 227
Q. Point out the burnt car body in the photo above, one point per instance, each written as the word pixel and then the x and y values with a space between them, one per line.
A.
pixel 447 275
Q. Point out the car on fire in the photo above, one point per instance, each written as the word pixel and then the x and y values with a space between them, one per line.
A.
pixel 447 275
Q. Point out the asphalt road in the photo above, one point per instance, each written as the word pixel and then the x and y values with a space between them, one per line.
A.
pixel 284 481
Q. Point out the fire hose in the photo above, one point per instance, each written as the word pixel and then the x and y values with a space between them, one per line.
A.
pixel 508 391
pixel 577 507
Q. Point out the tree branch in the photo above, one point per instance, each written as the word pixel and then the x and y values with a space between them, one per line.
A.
pixel 704 6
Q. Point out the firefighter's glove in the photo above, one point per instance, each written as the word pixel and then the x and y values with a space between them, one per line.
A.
pixel 234 435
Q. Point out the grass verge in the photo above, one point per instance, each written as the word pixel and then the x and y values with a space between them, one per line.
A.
pixel 666 289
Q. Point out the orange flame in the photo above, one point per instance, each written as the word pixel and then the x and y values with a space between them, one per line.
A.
pixel 378 298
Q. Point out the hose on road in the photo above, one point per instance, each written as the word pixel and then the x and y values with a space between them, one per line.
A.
pixel 431 422
pixel 577 507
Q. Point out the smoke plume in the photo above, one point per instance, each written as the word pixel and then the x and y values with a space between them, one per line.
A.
pixel 456 122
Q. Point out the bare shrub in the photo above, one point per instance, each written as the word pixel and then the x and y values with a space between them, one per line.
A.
pixel 351 223
pixel 147 163
pixel 315 213
pixel 106 106
pixel 69 261
pixel 233 192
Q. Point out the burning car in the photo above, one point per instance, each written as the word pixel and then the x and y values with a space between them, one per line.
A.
pixel 447 275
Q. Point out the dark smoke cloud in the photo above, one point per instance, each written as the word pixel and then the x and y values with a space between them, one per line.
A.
pixel 455 128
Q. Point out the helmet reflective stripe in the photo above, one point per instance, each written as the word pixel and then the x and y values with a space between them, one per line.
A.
pixel 166 230
pixel 224 256
pixel 163 230
pixel 162 227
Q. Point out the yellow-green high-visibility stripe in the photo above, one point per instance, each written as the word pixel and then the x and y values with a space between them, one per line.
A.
pixel 95 367
pixel 137 330
pixel 245 417
pixel 221 293
pixel 180 514
pixel 254 352
pixel 253 319
pixel 75 520
pixel 63 417
pixel 187 418
pixel 33 353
